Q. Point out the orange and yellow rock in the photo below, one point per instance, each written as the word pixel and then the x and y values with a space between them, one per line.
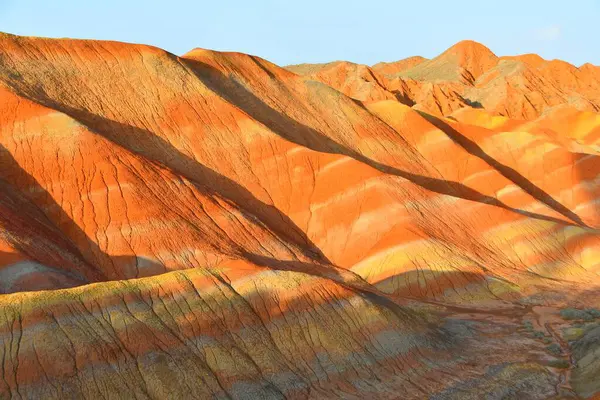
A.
pixel 214 225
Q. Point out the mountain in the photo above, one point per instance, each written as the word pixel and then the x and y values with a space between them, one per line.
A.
pixel 216 226
pixel 464 62
pixel 469 74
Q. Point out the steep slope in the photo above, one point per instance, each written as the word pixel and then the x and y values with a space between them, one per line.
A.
pixel 30 244
pixel 244 231
pixel 416 175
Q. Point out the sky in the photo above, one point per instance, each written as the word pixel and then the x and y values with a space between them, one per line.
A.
pixel 291 32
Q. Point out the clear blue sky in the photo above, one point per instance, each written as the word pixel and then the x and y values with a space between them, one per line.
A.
pixel 287 32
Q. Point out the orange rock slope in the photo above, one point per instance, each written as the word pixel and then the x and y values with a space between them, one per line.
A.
pixel 213 225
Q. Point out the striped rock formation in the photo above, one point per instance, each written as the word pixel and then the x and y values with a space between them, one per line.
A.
pixel 216 226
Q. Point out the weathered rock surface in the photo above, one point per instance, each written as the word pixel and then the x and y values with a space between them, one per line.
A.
pixel 213 225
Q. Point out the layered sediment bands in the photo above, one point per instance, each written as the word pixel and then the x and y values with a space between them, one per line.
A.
pixel 208 336
pixel 216 225
pixel 198 334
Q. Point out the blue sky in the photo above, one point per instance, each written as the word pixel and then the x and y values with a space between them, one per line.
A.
pixel 288 32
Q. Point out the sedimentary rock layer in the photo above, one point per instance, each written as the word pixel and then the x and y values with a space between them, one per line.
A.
pixel 214 225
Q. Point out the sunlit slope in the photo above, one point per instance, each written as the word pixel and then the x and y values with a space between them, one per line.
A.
pixel 219 225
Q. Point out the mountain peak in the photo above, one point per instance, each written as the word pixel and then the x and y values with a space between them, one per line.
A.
pixel 471 48
pixel 471 56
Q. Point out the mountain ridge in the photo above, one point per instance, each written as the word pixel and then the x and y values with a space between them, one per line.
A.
pixel 468 74
pixel 217 225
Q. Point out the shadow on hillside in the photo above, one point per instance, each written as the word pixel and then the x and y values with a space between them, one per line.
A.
pixel 164 153
pixel 508 172
pixel 95 264
pixel 283 125
pixel 403 98
pixel 472 103
pixel 345 278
